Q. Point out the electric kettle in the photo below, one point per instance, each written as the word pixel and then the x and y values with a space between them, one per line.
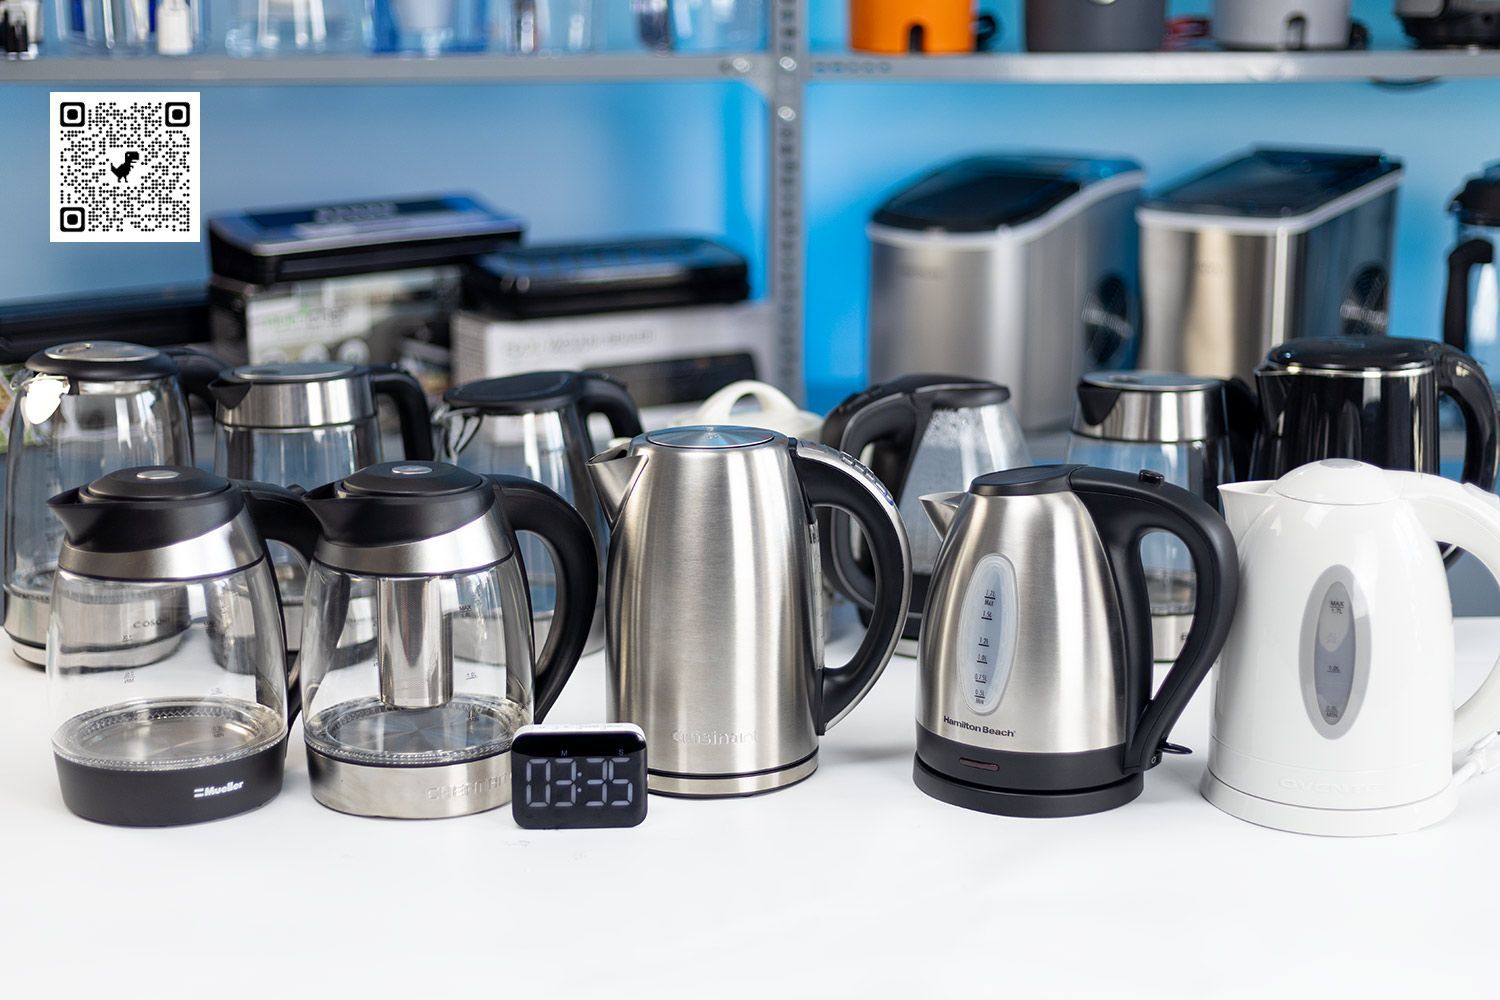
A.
pixel 1035 696
pixel 537 426
pixel 166 667
pixel 1471 313
pixel 79 411
pixel 918 434
pixel 1372 399
pixel 307 423
pixel 1333 709
pixel 712 602
pixel 1189 429
pixel 420 726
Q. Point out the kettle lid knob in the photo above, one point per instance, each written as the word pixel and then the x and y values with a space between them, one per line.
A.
pixel 1338 482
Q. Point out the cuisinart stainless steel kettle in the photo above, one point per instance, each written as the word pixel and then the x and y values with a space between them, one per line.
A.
pixel 1036 673
pixel 713 602
pixel 1333 710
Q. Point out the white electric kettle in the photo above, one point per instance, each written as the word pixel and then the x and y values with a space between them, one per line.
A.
pixel 1333 710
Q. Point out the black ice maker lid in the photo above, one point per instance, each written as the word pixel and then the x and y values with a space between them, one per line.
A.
pixel 575 279
pixel 324 241
pixel 1275 183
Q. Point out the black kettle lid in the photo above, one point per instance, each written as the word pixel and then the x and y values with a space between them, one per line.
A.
pixel 1478 204
pixel 517 395
pixel 400 503
pixel 147 507
pixel 1354 354
pixel 156 483
pixel 103 361
pixel 942 391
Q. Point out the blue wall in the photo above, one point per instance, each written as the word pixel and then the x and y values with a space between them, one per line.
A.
pixel 599 160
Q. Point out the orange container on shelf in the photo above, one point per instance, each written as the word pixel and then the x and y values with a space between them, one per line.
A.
pixel 898 27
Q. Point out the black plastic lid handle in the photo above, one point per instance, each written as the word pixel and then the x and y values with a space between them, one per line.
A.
pixel 1126 508
pixel 530 506
pixel 405 393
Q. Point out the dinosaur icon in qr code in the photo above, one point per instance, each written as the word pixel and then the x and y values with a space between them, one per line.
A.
pixel 122 172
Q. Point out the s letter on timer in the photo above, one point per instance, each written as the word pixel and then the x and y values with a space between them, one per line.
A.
pixel 578 777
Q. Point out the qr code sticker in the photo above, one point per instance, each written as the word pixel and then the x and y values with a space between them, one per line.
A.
pixel 124 167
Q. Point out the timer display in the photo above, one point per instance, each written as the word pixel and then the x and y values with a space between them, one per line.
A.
pixel 581 777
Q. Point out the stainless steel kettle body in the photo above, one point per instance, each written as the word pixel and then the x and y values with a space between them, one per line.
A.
pixel 1036 660
pixel 713 613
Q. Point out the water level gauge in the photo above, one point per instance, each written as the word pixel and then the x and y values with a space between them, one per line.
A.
pixel 987 637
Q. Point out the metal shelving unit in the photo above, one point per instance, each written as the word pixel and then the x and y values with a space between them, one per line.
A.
pixel 780 76
pixel 1395 66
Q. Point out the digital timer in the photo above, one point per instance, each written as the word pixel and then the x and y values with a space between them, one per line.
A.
pixel 578 777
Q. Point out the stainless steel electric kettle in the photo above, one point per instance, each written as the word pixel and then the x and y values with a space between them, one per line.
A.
pixel 1036 688
pixel 713 601
pixel 419 723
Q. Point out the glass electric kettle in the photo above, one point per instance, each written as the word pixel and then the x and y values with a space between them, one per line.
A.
pixel 166 667
pixel 536 426
pixel 1188 430
pixel 919 434
pixel 79 411
pixel 420 726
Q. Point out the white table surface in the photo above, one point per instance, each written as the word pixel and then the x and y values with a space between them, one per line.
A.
pixel 850 884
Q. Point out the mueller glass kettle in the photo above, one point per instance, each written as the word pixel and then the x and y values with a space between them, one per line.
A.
pixel 79 411
pixel 919 434
pixel 1186 428
pixel 418 724
pixel 1372 399
pixel 1333 709
pixel 1471 314
pixel 1035 693
pixel 308 423
pixel 537 426
pixel 166 666
pixel 713 594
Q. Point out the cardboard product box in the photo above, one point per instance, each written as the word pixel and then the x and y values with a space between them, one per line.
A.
pixel 669 359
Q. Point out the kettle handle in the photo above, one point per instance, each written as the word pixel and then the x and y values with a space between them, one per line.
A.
pixel 1464 258
pixel 406 394
pixel 895 426
pixel 1125 508
pixel 1469 518
pixel 281 516
pixel 530 506
pixel 196 369
pixel 831 478
pixel 609 398
pixel 1460 377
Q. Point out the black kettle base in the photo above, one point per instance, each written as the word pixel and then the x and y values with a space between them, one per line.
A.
pixel 1029 805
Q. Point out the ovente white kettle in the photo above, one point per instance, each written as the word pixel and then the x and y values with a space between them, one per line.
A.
pixel 1333 710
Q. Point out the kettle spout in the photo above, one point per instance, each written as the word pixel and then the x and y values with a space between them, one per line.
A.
pixel 614 472
pixel 1243 504
pixel 942 509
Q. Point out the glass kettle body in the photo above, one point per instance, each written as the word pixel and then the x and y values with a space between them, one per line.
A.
pixel 167 671
pixel 1035 697
pixel 713 592
pixel 80 410
pixel 1321 724
pixel 918 434
pixel 418 723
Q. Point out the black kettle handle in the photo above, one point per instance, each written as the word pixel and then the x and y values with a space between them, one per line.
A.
pixel 196 369
pixel 1460 377
pixel 1464 258
pixel 894 426
pixel 281 516
pixel 1125 508
pixel 986 31
pixel 530 506
pixel 831 478
pixel 406 394
pixel 609 398
pixel 1242 413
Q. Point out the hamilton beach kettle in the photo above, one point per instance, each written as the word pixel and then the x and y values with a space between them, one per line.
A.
pixel 1036 672
pixel 1333 709
pixel 713 602
pixel 420 725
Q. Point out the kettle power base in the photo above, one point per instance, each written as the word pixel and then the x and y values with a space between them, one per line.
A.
pixel 1406 818
pixel 1026 805
pixel 726 786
